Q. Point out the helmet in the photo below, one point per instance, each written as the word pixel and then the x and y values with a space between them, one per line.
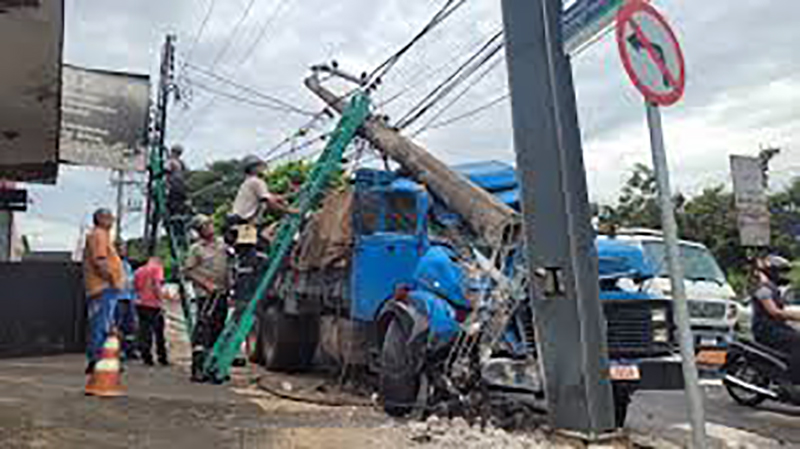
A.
pixel 200 220
pixel 776 268
pixel 250 162
pixel 177 150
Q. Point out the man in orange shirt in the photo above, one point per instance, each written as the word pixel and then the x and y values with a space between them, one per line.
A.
pixel 103 277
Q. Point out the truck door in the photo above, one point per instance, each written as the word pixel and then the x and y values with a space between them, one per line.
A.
pixel 390 239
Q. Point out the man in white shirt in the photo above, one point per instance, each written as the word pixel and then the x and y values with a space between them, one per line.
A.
pixel 252 199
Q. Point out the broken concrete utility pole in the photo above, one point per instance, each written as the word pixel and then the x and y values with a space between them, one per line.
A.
pixel 493 221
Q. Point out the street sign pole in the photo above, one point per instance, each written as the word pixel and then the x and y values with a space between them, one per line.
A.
pixel 653 59
pixel 558 235
pixel 670 229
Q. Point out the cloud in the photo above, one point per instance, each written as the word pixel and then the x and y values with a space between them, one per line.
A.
pixel 742 88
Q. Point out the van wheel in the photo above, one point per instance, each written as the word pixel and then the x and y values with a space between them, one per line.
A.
pixel 400 381
pixel 287 342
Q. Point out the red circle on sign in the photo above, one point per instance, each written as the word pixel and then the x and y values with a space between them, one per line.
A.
pixel 624 16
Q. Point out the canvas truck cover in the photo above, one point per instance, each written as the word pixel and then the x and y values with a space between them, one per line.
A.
pixel 327 240
pixel 31 36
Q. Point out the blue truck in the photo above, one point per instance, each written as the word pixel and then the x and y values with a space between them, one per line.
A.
pixel 375 282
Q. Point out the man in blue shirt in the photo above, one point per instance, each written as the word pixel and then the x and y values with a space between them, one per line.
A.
pixel 126 311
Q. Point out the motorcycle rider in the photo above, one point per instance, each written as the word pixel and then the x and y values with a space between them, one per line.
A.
pixel 770 318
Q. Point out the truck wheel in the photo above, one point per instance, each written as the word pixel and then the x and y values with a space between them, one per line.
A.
pixel 400 380
pixel 288 342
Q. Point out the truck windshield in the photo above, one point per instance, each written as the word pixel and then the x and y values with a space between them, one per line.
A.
pixel 698 263
pixel 401 213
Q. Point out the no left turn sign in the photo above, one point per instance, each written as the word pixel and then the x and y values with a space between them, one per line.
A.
pixel 650 53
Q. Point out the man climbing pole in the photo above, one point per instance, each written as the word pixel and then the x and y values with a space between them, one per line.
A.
pixel 250 242
pixel 207 267
pixel 178 208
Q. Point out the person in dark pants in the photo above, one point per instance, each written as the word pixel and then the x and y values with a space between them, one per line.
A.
pixel 252 199
pixel 207 267
pixel 149 284
pixel 770 318
pixel 125 316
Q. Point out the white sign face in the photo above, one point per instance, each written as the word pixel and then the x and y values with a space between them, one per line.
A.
pixel 104 118
pixel 752 204
pixel 650 53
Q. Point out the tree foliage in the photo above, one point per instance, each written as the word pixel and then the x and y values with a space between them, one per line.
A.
pixel 709 218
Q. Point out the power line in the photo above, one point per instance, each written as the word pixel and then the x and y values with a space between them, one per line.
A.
pixel 444 12
pixel 232 34
pixel 240 99
pixel 428 72
pixel 200 30
pixel 458 97
pixel 474 63
pixel 250 90
pixel 263 31
pixel 465 115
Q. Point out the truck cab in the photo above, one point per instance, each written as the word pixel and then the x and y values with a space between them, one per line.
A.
pixel 712 306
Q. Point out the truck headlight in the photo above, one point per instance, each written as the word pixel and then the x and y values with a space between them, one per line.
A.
pixel 661 335
pixel 659 315
pixel 733 311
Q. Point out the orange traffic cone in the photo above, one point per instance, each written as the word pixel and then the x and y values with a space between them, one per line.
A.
pixel 105 379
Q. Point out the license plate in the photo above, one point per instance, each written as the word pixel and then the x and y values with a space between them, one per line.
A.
pixel 625 372
pixel 709 341
pixel 711 357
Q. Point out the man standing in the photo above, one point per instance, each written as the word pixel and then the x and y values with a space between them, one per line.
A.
pixel 103 277
pixel 206 266
pixel 252 200
pixel 149 283
pixel 126 312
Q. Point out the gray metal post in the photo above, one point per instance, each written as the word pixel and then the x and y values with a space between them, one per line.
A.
pixel 559 238
pixel 670 228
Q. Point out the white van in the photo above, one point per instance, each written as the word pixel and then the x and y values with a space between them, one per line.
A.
pixel 712 306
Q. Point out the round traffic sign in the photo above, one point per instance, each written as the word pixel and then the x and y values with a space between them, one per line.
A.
pixel 650 53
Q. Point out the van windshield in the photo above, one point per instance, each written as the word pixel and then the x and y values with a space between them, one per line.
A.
pixel 698 263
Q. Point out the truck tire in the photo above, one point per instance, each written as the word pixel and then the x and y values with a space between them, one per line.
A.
pixel 400 380
pixel 287 342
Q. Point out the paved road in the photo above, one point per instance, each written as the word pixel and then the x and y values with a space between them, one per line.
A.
pixel 665 413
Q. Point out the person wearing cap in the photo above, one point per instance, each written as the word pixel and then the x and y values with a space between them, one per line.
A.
pixel 206 266
pixel 252 200
pixel 103 278
pixel 177 197
pixel 771 321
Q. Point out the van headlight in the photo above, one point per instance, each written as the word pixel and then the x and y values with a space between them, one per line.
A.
pixel 659 315
pixel 661 335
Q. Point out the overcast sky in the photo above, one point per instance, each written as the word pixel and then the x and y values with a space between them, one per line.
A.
pixel 742 91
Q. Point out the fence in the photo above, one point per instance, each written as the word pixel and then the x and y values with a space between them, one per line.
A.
pixel 42 308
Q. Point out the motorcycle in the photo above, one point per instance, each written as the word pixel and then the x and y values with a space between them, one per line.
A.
pixel 755 373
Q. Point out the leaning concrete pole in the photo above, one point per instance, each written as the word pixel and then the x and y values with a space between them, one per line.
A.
pixel 490 219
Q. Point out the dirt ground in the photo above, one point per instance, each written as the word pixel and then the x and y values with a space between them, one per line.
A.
pixel 42 405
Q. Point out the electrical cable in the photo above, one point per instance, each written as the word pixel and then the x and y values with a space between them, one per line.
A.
pixel 466 115
pixel 262 32
pixel 232 34
pixel 250 90
pixel 459 96
pixel 240 99
pixel 200 31
pixel 382 69
pixel 485 53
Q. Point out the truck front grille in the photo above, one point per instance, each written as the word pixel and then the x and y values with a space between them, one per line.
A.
pixel 630 328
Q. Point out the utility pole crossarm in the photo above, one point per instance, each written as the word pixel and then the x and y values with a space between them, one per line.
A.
pixel 493 221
